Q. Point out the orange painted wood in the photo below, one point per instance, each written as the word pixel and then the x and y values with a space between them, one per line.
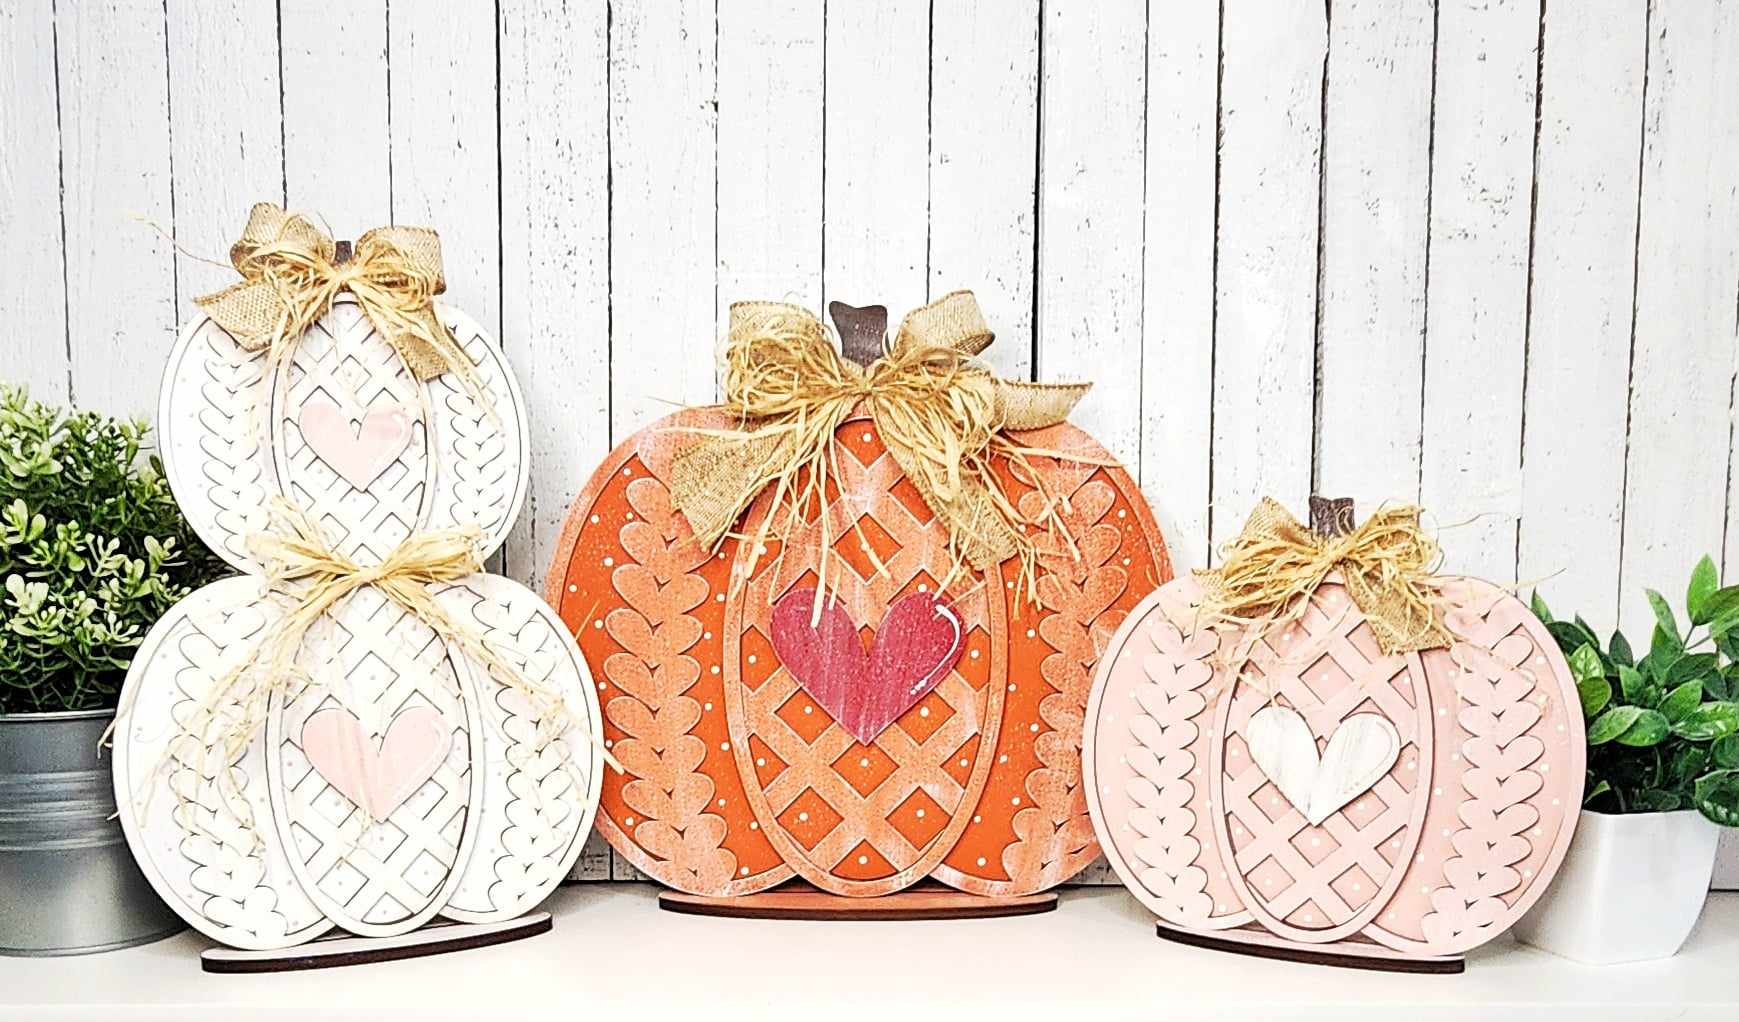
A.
pixel 737 779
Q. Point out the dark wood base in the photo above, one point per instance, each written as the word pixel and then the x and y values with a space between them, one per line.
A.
pixel 1344 955
pixel 331 952
pixel 927 899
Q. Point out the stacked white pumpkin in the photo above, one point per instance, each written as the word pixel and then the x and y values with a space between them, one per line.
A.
pixel 398 779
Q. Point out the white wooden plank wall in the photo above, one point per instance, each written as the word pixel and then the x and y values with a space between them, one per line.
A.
pixel 1481 253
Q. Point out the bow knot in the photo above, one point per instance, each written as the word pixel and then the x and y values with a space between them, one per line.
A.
pixel 939 408
pixel 1270 570
pixel 291 275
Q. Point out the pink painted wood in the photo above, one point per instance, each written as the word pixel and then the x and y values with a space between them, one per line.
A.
pixel 1442 853
pixel 918 641
pixel 359 455
pixel 377 779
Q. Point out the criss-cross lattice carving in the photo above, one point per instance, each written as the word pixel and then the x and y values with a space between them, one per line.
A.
pixel 916 545
pixel 1326 667
pixel 341 359
pixel 376 661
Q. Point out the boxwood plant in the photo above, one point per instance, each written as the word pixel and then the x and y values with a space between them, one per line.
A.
pixel 93 550
pixel 1663 728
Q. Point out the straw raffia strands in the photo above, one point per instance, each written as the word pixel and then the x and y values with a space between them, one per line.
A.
pixel 939 408
pixel 302 569
pixel 1269 572
pixel 289 279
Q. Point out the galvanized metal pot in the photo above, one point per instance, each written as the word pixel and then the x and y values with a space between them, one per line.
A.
pixel 68 883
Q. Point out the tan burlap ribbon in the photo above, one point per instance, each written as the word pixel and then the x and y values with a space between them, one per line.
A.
pixel 1268 573
pixel 289 278
pixel 940 410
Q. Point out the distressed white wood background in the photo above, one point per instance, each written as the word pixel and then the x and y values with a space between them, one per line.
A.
pixel 1481 253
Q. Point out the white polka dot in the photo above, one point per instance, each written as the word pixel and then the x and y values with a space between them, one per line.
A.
pixel 1030 633
pixel 923 711
pixel 760 761
pixel 981 860
pixel 754 826
pixel 1011 686
pixel 1002 758
pixel 963 762
pixel 863 860
pixel 599 623
pixel 1015 801
pixel 721 801
pixel 725 746
pixel 922 588
pixel 715 668
pixel 608 561
pixel 809 709
pixel 744 871
pixel 802 817
pixel 920 814
pixel 708 705
pixel 978 819
pixel 1034 728
pixel 594 519
pixel 974 654
pixel 628 821
pixel 751 658
pixel 573 587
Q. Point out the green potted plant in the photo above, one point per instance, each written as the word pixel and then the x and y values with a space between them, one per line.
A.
pixel 93 550
pixel 1663 779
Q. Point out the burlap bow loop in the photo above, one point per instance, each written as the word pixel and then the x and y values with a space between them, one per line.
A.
pixel 290 277
pixel 1271 569
pixel 940 410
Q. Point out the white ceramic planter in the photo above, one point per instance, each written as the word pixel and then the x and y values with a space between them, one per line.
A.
pixel 1630 889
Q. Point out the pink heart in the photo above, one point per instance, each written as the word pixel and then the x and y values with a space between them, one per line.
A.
pixel 379 779
pixel 918 641
pixel 360 456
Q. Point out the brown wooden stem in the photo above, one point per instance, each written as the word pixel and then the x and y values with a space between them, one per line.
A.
pixel 1331 516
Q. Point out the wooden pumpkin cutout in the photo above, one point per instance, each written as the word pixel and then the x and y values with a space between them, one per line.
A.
pixel 1333 802
pixel 345 430
pixel 738 777
pixel 392 775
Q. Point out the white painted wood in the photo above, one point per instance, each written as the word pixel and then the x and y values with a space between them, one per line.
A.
pixel 770 78
pixel 1177 311
pixel 1359 753
pixel 1090 194
pixel 441 87
pixel 1376 183
pixel 1579 322
pixel 1686 279
pixel 1266 293
pixel 227 141
pixel 876 153
pixel 1477 288
pixel 337 152
pixel 555 280
pixel 984 67
pixel 33 288
pixel 120 274
pixel 621 190
pixel 663 246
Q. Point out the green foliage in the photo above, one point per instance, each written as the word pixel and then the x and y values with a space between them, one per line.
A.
pixel 1663 730
pixel 93 550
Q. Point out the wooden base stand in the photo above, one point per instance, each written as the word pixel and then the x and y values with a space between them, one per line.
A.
pixel 1344 955
pixel 330 952
pixel 797 900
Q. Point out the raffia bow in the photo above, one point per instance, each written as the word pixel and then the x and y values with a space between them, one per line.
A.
pixel 300 566
pixel 290 277
pixel 1270 570
pixel 939 409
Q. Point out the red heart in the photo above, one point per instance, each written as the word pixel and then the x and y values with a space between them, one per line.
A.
pixel 919 640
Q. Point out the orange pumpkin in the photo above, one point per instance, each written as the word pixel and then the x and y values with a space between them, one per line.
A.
pixel 736 778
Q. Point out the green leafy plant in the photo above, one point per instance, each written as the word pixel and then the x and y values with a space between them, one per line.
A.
pixel 1663 728
pixel 93 550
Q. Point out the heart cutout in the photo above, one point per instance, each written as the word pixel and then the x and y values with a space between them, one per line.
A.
pixel 377 779
pixel 1362 749
pixel 920 638
pixel 360 456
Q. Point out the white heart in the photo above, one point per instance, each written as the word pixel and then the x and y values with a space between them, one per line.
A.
pixel 1362 749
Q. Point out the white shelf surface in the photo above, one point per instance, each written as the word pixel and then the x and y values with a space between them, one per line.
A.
pixel 1095 958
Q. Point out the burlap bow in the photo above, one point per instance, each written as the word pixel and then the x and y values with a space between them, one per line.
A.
pixel 1274 565
pixel 289 278
pixel 939 409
